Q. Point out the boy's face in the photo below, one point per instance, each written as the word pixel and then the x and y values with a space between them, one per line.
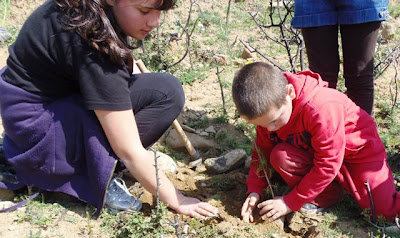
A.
pixel 276 118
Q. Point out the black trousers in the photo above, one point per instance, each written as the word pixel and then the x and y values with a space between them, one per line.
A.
pixel 157 99
pixel 358 46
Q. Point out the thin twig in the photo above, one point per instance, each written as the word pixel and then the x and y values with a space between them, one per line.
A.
pixel 264 168
pixel 157 177
pixel 222 91
pixel 395 65
pixel 252 50
pixel 177 225
pixel 371 201
pixel 188 36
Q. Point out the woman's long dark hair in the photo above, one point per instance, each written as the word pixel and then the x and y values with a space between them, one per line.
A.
pixel 93 20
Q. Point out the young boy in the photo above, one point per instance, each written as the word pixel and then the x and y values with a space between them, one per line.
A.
pixel 317 139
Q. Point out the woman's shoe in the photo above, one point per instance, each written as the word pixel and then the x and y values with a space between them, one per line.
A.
pixel 118 197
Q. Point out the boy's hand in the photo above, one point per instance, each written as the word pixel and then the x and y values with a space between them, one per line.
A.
pixel 273 209
pixel 248 207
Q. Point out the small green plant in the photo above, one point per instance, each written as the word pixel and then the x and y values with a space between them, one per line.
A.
pixel 37 234
pixel 39 214
pixel 128 225
pixel 4 9
pixel 222 183
pixel 203 230
pixel 217 197
pixel 89 224
pixel 394 9
pixel 197 124
pixel 191 76
pixel 223 119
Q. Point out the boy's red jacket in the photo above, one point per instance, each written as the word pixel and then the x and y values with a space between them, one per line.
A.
pixel 326 123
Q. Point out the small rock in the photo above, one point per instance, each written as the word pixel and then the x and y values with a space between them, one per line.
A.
pixel 388 31
pixel 185 229
pixel 201 168
pixel 6 204
pixel 4 35
pixel 11 228
pixel 239 62
pixel 246 54
pixel 174 141
pixel 166 163
pixel 198 178
pixel 195 163
pixel 71 213
pixel 221 133
pixel 227 162
pixel 247 163
pixel 203 133
pixel 187 128
pixel 6 195
pixel 220 59
pixel 181 177
pixel 210 129
pixel 180 164
pixel 21 209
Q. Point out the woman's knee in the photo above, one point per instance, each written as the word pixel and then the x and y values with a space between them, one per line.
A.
pixel 174 90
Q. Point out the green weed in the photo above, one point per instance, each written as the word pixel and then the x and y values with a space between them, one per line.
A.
pixel 136 224
pixel 394 9
pixel 203 230
pixel 39 214
pixel 4 10
pixel 191 76
pixel 222 183
pixel 197 124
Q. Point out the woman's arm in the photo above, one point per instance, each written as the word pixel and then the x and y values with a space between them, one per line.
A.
pixel 123 136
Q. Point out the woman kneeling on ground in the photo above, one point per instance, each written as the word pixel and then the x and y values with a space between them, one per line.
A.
pixel 73 111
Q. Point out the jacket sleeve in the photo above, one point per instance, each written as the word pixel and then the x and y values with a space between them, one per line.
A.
pixel 327 127
pixel 256 182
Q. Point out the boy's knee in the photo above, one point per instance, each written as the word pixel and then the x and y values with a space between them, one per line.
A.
pixel 288 158
pixel 278 157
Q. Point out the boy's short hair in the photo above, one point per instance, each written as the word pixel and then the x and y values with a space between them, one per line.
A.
pixel 257 87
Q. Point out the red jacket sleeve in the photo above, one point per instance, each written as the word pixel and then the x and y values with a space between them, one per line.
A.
pixel 327 127
pixel 256 182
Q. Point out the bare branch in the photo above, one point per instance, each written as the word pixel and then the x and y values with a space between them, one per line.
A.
pixel 252 50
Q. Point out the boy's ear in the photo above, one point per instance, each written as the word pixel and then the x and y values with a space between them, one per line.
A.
pixel 290 91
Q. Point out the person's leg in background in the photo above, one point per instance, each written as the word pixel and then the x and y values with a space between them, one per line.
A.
pixel 358 44
pixel 322 51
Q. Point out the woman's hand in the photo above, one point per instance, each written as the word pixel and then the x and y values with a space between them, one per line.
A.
pixel 248 207
pixel 273 209
pixel 195 208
